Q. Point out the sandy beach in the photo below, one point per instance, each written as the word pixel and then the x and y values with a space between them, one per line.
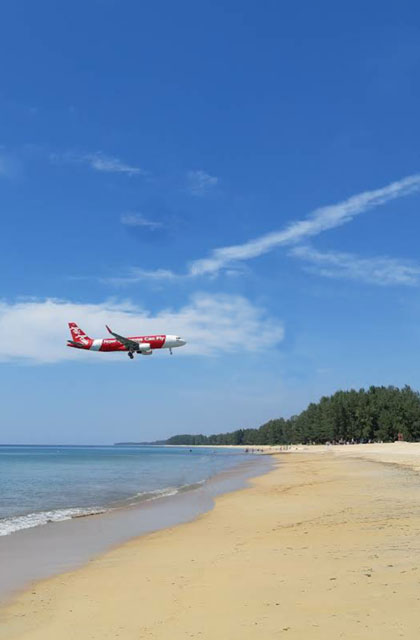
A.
pixel 324 546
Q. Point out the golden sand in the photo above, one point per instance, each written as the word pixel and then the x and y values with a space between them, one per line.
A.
pixel 326 546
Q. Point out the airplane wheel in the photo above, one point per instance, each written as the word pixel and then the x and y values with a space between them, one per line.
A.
pixel 130 355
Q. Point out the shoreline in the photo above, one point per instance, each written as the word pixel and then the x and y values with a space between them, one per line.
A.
pixel 37 553
pixel 48 512
pixel 325 545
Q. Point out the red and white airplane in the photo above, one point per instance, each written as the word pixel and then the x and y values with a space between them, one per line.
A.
pixel 139 344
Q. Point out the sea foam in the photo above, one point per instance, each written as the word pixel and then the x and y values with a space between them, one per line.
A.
pixel 29 520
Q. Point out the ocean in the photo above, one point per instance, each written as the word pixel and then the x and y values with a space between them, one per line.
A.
pixel 43 484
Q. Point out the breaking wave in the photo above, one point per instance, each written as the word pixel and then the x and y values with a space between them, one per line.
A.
pixel 28 521
pixel 145 496
pixel 17 523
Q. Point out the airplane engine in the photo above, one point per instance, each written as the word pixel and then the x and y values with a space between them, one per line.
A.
pixel 144 349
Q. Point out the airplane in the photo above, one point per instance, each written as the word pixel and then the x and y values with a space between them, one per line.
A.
pixel 143 345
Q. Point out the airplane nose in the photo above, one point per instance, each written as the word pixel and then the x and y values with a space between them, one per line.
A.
pixel 182 342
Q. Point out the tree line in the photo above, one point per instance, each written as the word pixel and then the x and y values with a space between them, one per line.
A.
pixel 372 415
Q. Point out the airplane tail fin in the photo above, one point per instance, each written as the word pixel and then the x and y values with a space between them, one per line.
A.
pixel 79 337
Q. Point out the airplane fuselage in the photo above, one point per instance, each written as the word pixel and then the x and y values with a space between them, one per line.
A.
pixel 145 343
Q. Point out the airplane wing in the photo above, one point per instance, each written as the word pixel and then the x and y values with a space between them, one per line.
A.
pixel 131 345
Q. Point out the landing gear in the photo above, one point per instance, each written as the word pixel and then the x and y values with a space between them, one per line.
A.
pixel 130 355
pixel 170 351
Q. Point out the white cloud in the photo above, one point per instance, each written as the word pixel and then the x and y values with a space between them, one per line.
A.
pixel 318 221
pixel 230 258
pixel 377 270
pixel 140 275
pixel 110 164
pixel 139 220
pixel 99 162
pixel 200 182
pixel 36 331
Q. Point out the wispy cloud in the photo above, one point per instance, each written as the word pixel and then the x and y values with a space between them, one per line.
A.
pixel 110 164
pixel 231 259
pixel 318 221
pixel 36 331
pixel 135 274
pixel 139 220
pixel 99 162
pixel 382 271
pixel 200 182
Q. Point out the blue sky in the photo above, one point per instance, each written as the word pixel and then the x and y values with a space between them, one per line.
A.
pixel 244 174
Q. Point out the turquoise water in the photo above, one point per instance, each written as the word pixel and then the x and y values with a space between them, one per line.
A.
pixel 44 484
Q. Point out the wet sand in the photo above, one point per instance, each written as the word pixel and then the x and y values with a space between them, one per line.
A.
pixel 325 546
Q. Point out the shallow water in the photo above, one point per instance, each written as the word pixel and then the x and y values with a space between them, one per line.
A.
pixel 48 484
